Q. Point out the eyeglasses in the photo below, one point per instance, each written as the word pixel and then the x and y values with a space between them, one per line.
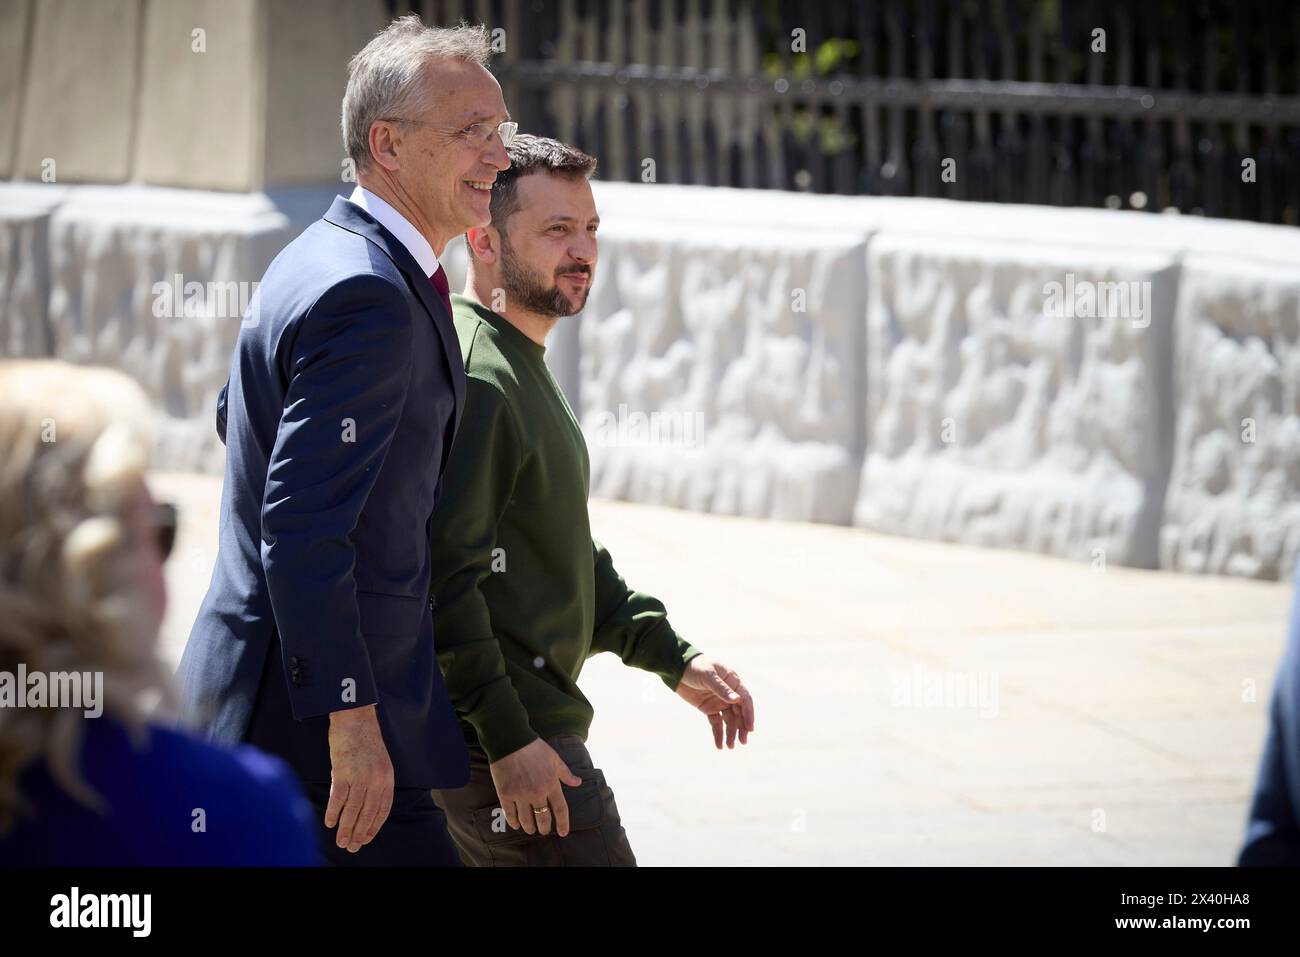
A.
pixel 476 134
pixel 164 520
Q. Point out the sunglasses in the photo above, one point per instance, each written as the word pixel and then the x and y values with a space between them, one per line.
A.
pixel 164 520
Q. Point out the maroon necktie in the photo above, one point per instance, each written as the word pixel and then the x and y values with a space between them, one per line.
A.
pixel 439 280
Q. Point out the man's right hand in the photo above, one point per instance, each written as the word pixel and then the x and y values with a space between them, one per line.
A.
pixel 528 781
pixel 361 777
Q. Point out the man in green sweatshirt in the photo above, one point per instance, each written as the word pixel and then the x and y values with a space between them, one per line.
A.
pixel 523 594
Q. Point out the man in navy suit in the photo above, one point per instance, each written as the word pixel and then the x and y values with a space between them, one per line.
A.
pixel 315 640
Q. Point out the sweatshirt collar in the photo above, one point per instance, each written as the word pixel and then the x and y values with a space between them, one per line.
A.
pixel 502 325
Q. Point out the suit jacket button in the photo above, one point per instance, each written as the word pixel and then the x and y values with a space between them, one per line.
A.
pixel 293 661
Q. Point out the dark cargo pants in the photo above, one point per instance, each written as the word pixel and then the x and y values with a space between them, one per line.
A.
pixel 484 839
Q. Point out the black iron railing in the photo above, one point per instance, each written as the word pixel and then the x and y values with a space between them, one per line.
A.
pixel 1149 104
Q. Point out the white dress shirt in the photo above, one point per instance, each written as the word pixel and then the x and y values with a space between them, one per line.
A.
pixel 399 226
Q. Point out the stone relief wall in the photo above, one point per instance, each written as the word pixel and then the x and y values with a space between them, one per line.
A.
pixel 720 374
pixel 894 364
pixel 986 415
pixel 994 423
pixel 1233 506
pixel 25 269
pixel 152 281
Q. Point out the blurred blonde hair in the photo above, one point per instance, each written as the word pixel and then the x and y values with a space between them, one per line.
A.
pixel 75 441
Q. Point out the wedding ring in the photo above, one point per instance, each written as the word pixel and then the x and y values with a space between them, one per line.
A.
pixel 541 810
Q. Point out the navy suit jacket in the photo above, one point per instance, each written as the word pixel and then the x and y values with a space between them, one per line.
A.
pixel 345 392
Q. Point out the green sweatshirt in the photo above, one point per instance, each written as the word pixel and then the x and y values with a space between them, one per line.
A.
pixel 523 594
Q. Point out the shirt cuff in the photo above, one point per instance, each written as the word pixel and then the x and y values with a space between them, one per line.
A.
pixel 502 729
pixel 673 669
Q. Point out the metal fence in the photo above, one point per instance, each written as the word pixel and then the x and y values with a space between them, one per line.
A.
pixel 1154 104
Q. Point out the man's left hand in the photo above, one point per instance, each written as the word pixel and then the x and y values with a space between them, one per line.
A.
pixel 718 692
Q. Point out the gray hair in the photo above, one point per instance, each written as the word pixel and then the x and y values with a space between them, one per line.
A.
pixel 385 77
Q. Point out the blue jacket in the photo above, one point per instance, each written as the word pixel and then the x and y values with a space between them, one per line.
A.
pixel 170 801
pixel 345 392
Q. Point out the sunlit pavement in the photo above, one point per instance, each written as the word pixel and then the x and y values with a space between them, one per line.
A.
pixel 917 703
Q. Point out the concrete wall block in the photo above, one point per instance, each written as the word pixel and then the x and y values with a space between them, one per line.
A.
pixel 993 419
pixel 720 372
pixel 1234 498
pixel 25 268
pixel 156 282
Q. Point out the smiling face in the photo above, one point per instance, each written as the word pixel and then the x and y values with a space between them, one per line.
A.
pixel 443 175
pixel 548 254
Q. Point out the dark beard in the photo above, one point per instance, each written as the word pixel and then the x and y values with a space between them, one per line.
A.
pixel 526 290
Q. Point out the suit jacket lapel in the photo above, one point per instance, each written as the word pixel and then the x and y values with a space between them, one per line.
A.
pixel 348 215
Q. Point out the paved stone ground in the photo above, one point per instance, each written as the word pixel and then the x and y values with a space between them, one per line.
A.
pixel 917 703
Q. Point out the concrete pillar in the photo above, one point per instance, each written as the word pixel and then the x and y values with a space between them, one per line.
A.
pixel 76 117
pixel 236 95
pixel 15 19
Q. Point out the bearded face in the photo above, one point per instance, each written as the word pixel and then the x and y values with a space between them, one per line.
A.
pixel 548 246
pixel 540 292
